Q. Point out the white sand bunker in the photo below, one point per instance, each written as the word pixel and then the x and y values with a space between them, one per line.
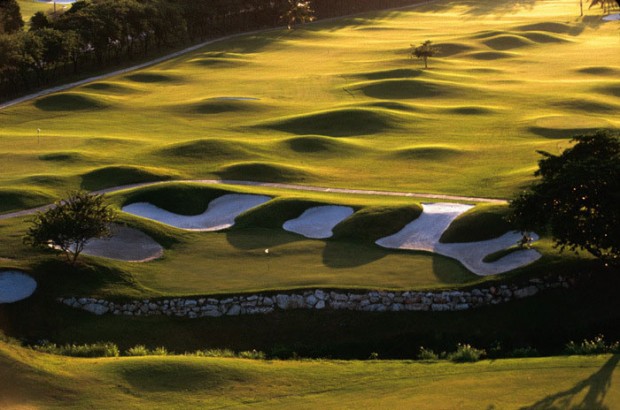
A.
pixel 125 244
pixel 423 234
pixel 612 17
pixel 317 222
pixel 15 285
pixel 220 214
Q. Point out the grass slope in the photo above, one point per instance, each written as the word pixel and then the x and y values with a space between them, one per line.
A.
pixel 35 379
pixel 322 105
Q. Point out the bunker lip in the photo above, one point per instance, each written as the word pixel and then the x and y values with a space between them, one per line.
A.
pixel 15 286
pixel 220 214
pixel 423 234
pixel 317 222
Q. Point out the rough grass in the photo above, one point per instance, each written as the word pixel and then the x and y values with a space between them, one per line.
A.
pixel 261 171
pixel 40 380
pixel 478 224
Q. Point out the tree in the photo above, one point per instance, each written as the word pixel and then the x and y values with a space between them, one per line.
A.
pixel 424 51
pixel 70 223
pixel 297 12
pixel 577 198
pixel 10 17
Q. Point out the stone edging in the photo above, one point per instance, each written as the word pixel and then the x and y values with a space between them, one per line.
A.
pixel 371 301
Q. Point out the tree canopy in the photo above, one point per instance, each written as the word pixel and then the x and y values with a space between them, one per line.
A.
pixel 424 51
pixel 577 197
pixel 70 223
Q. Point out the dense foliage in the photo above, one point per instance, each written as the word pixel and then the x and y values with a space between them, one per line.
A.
pixel 70 223
pixel 93 34
pixel 577 197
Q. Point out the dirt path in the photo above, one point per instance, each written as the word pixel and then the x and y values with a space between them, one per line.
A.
pixel 307 188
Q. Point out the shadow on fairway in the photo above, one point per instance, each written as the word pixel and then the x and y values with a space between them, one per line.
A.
pixel 593 390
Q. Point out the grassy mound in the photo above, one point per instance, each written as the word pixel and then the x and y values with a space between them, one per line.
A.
pixel 427 152
pixel 274 213
pixel 208 149
pixel 550 27
pixel 219 106
pixel 507 42
pixel 471 110
pixel 491 55
pixel 560 126
pixel 263 171
pixel 16 199
pixel 63 156
pixel 182 199
pixel 316 144
pixel 451 49
pixel 393 105
pixel 587 105
pixel 598 70
pixel 389 74
pixel 69 102
pixel 122 175
pixel 543 38
pixel 611 89
pixel 372 223
pixel 407 89
pixel 336 123
pixel 478 224
pixel 45 180
pixel 109 88
pixel 145 77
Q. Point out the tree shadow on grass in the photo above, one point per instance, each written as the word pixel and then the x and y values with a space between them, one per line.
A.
pixel 595 388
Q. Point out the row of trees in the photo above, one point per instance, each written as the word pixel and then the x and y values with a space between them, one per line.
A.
pixel 93 34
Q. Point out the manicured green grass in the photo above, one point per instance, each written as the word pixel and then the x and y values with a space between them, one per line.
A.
pixel 322 105
pixel 38 379
pixel 480 223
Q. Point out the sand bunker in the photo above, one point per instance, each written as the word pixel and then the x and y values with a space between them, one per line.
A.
pixel 220 214
pixel 15 285
pixel 423 234
pixel 317 222
pixel 126 244
pixel 612 17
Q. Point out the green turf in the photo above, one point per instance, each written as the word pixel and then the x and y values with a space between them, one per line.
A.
pixel 41 380
pixel 322 105
pixel 478 224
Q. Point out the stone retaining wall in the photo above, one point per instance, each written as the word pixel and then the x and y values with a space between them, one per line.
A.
pixel 371 301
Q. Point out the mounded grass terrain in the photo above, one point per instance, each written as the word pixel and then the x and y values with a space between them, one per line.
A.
pixel 340 103
pixel 334 104
pixel 37 379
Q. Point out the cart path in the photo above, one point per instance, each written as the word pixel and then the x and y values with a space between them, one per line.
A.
pixel 308 188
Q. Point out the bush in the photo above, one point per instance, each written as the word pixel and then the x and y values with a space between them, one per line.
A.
pixel 99 349
pixel 160 351
pixel 466 353
pixel 138 350
pixel 215 353
pixel 252 354
pixel 427 354
pixel 598 345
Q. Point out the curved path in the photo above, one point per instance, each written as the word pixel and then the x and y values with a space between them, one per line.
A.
pixel 295 187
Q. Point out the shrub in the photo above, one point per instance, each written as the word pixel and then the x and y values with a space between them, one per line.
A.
pixel 427 354
pixel 215 353
pixel 598 345
pixel 137 350
pixel 252 354
pixel 466 353
pixel 99 349
pixel 373 356
pixel 160 351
